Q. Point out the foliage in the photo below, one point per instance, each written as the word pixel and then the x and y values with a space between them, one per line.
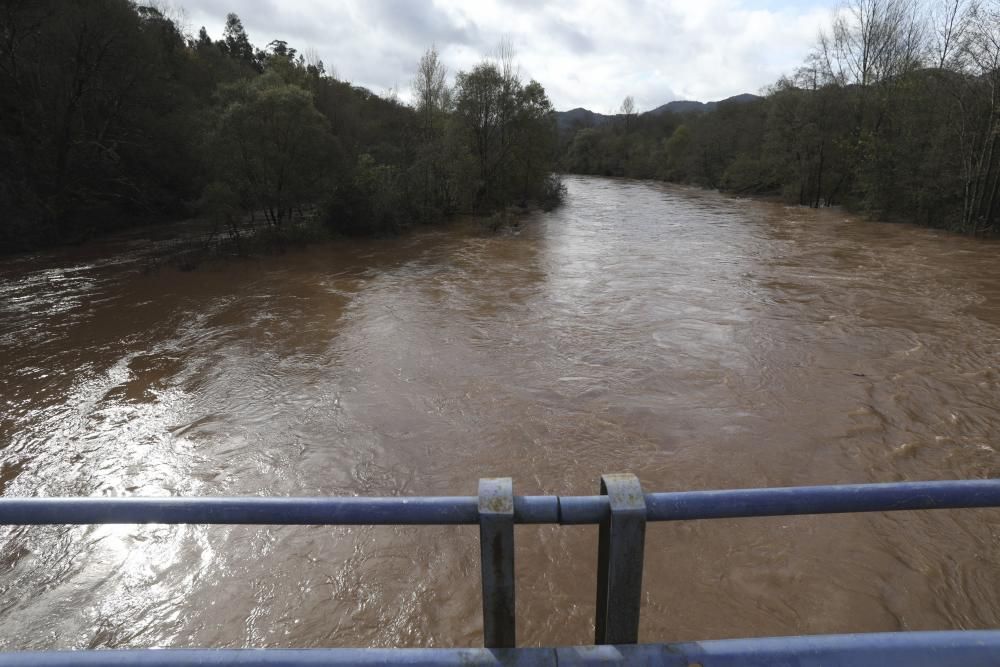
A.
pixel 371 202
pixel 110 116
pixel 511 127
pixel 270 145
pixel 894 113
pixel 93 117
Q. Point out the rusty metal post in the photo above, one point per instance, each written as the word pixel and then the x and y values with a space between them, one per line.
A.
pixel 619 561
pixel 496 543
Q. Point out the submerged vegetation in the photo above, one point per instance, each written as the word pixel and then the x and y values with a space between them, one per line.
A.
pixel 112 116
pixel 895 113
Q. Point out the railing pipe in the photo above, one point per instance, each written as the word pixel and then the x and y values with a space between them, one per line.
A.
pixel 536 509
pixel 258 511
pixel 449 510
pixel 822 499
pixel 621 510
pixel 968 648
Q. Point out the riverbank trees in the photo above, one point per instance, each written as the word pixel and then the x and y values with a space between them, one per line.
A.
pixel 894 113
pixel 112 116
pixel 508 123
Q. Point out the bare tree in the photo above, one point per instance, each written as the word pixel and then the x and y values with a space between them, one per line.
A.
pixel 171 12
pixel 628 110
pixel 826 62
pixel 432 98
pixel 430 88
pixel 505 58
pixel 505 61
pixel 875 40
pixel 949 22
pixel 980 118
pixel 315 63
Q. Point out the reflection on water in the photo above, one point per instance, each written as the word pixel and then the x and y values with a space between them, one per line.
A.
pixel 696 340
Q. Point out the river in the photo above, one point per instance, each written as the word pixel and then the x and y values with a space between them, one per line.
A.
pixel 696 340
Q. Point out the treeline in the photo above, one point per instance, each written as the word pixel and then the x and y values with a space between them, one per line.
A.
pixel 110 116
pixel 895 113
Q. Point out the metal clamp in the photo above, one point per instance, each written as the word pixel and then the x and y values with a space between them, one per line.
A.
pixel 496 543
pixel 619 561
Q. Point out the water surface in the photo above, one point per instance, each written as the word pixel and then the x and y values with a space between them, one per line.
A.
pixel 696 340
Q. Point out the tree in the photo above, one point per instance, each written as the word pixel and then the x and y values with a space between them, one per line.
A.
pixel 977 127
pixel 89 93
pixel 430 88
pixel 875 40
pixel 271 146
pixel 432 99
pixel 949 21
pixel 110 116
pixel 480 107
pixel 204 41
pixel 510 127
pixel 627 110
pixel 236 43
pixel 875 44
pixel 536 141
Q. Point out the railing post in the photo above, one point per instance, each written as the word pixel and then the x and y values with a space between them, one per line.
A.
pixel 619 561
pixel 496 543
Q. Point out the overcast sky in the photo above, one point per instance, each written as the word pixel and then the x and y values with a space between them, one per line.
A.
pixel 589 53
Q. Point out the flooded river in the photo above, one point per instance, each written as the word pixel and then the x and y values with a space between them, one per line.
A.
pixel 696 340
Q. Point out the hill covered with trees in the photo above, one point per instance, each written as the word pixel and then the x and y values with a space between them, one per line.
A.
pixel 110 116
pixel 575 119
pixel 895 113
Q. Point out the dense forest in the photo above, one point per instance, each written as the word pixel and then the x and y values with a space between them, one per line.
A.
pixel 895 113
pixel 110 115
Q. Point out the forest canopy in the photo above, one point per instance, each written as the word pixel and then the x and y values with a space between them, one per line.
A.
pixel 111 116
pixel 894 113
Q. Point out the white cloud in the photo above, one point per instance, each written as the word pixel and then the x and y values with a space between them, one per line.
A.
pixel 589 53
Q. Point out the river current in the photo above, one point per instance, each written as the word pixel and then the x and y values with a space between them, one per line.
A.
pixel 696 340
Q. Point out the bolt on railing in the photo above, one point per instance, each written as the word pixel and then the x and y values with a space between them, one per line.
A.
pixel 622 511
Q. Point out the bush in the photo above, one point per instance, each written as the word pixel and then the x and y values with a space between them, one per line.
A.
pixel 368 204
pixel 745 175
pixel 553 192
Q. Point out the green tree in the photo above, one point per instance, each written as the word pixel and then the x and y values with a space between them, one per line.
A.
pixel 535 141
pixel 236 43
pixel 479 105
pixel 430 173
pixel 91 93
pixel 510 128
pixel 270 145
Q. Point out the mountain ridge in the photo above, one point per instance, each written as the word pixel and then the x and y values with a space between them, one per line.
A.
pixel 586 117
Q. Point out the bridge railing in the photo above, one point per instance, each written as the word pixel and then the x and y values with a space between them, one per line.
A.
pixel 622 511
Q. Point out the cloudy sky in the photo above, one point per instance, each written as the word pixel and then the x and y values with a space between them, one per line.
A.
pixel 589 53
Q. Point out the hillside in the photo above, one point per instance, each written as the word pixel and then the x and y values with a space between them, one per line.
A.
pixel 588 118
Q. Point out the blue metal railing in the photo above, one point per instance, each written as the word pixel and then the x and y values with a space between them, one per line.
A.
pixel 622 511
pixel 458 510
pixel 906 649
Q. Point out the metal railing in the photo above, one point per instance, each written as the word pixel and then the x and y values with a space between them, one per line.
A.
pixel 622 511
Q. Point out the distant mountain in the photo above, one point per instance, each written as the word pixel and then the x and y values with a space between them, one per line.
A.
pixel 586 117
pixel 684 106
pixel 581 115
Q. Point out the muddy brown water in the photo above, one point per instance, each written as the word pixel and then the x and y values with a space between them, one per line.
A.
pixel 696 340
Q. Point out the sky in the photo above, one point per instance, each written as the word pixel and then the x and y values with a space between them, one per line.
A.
pixel 586 53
